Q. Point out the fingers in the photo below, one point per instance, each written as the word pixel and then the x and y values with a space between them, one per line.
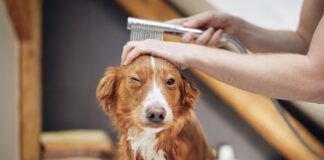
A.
pixel 171 51
pixel 135 52
pixel 215 39
pixel 176 21
pixel 204 38
pixel 199 20
pixel 187 37
pixel 126 49
pixel 134 49
pixel 195 21
pixel 209 37
pixel 130 51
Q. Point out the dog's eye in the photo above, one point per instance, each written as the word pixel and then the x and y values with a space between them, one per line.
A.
pixel 170 82
pixel 136 80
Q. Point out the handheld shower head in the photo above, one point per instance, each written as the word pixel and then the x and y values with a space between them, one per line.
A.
pixel 146 29
pixel 154 25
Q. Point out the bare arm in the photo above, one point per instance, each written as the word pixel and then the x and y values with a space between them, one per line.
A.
pixel 257 39
pixel 287 76
pixel 264 40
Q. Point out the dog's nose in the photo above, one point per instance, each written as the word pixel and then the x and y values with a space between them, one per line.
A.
pixel 155 114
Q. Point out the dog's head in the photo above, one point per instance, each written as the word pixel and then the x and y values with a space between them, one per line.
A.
pixel 148 93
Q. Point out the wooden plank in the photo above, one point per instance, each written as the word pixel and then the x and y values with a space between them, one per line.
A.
pixel 256 110
pixel 20 17
pixel 26 19
pixel 149 9
pixel 31 85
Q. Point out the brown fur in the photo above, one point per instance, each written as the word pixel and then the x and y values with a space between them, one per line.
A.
pixel 181 139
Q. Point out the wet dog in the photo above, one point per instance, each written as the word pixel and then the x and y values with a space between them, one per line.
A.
pixel 152 106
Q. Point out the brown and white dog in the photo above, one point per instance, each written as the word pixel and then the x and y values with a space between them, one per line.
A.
pixel 152 106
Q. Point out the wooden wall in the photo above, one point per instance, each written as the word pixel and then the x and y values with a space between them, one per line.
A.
pixel 26 20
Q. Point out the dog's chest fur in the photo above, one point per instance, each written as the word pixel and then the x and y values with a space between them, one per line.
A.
pixel 144 143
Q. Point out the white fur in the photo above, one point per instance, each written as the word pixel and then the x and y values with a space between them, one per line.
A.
pixel 155 96
pixel 144 142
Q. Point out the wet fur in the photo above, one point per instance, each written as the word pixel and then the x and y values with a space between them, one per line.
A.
pixel 181 139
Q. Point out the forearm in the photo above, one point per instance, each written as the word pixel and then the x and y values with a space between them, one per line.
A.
pixel 263 40
pixel 286 76
pixel 258 39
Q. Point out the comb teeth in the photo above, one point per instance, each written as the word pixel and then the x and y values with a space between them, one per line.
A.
pixel 139 33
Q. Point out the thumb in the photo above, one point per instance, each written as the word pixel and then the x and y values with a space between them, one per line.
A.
pixel 198 21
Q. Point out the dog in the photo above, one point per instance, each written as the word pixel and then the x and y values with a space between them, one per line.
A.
pixel 152 106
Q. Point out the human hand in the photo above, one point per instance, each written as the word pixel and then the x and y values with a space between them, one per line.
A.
pixel 215 24
pixel 177 53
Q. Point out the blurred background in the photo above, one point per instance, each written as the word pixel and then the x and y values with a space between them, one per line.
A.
pixel 80 39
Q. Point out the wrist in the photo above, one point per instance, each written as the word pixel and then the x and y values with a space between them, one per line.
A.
pixel 197 56
pixel 238 24
pixel 192 53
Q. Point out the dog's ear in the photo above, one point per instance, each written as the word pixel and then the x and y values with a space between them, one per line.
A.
pixel 189 93
pixel 106 89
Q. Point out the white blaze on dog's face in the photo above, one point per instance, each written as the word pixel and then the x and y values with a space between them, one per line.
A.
pixel 148 93
pixel 155 108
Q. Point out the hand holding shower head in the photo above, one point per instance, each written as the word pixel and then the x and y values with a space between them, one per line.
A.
pixel 154 25
pixel 146 29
